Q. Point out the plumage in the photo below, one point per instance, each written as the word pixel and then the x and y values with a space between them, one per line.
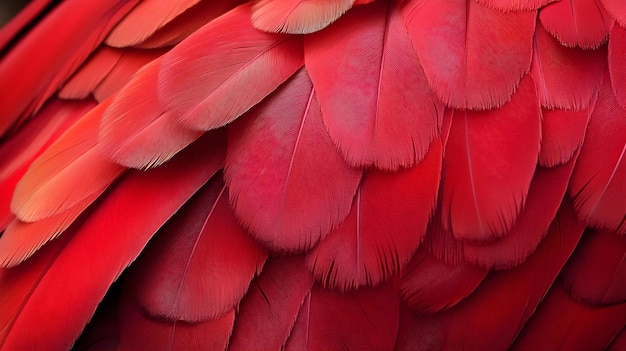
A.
pixel 91 73
pixel 297 16
pixel 515 5
pixel 617 55
pixel 616 9
pixel 562 134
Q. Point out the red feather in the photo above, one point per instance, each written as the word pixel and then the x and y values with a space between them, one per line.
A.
pixel 473 56
pixel 386 224
pixel 563 132
pixel 515 5
pixel 381 114
pixel 617 10
pixel 297 16
pixel 489 162
pixel 288 183
pixel 91 73
pixel 617 68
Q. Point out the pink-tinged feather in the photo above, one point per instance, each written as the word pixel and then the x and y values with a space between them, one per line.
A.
pixel 136 131
pixel 56 180
pixel 473 56
pixel 617 66
pixel 271 305
pixel 289 185
pixel 577 23
pixel 224 69
pixel 387 222
pixel 366 319
pixel 297 16
pixel 489 162
pixel 565 77
pixel 145 19
pixel 200 263
pixel 598 185
pixel 91 74
pixel 515 5
pixel 572 326
pixel 430 285
pixel 596 273
pixel 562 134
pixel 69 283
pixel 379 114
pixel 78 28
pixel 616 9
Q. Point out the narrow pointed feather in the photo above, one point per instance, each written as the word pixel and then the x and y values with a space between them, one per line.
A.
pixel 430 285
pixel 473 56
pixel 297 16
pixel 117 231
pixel 565 77
pixel 89 76
pixel 544 197
pixel 145 19
pixel 271 306
pixel 78 28
pixel 563 132
pixel 56 180
pixel 136 131
pixel 139 332
pixel 492 316
pixel 129 63
pixel 515 5
pixel 187 23
pixel 366 319
pixel 27 16
pixel 224 69
pixel 598 184
pixel 386 223
pixel 577 23
pixel 617 68
pixel 201 262
pixel 596 273
pixel 288 184
pixel 382 113
pixel 572 326
pixel 617 9
pixel 489 162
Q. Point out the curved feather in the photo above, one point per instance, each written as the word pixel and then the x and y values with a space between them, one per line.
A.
pixel 26 17
pixel 563 132
pixel 297 16
pixel 577 23
pixel 454 39
pixel 382 114
pixel 617 10
pixel 205 80
pixel 91 74
pixel 515 5
pixel 386 224
pixel 289 185
pixel 200 263
pixel 617 68
pixel 598 185
pixel 489 162
pixel 565 77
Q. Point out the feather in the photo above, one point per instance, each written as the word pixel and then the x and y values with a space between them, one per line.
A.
pixel 386 224
pixel 381 114
pixel 297 16
pixel 502 304
pixel 145 19
pixel 489 162
pixel 473 56
pixel 201 263
pixel 565 77
pixel 117 231
pixel 136 131
pixel 366 319
pixel 563 132
pixel 78 28
pixel 204 80
pixel 27 16
pixel 596 273
pixel 430 285
pixel 55 181
pixel 598 185
pixel 617 68
pixel 288 184
pixel 619 342
pixel 515 5
pixel 271 305
pixel 581 23
pixel 560 323
pixel 89 76
pixel 617 10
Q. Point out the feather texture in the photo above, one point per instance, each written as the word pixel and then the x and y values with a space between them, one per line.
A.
pixel 297 16
pixel 381 114
pixel 515 5
pixel 617 9
pixel 617 69
pixel 562 134
pixel 91 74
pixel 289 185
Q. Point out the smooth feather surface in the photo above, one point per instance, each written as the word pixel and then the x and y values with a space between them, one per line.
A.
pixel 617 56
pixel 297 16
pixel 562 134
pixel 617 9
pixel 381 114
pixel 91 74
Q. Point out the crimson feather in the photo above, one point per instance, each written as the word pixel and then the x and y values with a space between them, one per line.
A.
pixel 617 57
